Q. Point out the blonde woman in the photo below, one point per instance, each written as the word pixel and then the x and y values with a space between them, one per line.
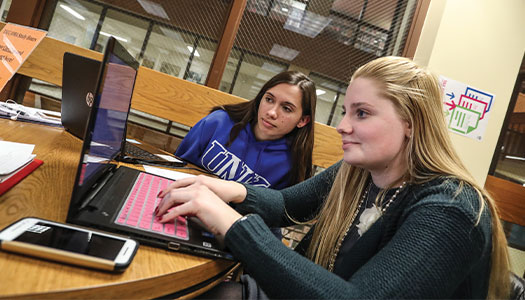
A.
pixel 399 217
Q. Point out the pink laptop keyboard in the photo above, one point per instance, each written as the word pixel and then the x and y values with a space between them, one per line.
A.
pixel 137 211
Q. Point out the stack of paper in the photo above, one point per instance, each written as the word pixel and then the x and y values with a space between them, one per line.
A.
pixel 16 111
pixel 16 162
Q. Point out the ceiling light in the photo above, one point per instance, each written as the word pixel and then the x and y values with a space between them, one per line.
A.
pixel 306 22
pixel 196 52
pixel 263 77
pixel 283 52
pixel 171 34
pixel 272 67
pixel 320 92
pixel 153 8
pixel 299 5
pixel 73 12
pixel 116 37
pixel 514 157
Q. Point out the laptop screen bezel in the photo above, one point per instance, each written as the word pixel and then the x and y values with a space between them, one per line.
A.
pixel 113 47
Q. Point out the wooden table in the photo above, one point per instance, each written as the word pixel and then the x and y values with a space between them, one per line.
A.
pixel 45 193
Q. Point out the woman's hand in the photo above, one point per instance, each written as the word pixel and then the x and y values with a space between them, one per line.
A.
pixel 193 199
pixel 228 191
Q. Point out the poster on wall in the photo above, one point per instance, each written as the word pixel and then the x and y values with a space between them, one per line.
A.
pixel 467 109
pixel 16 44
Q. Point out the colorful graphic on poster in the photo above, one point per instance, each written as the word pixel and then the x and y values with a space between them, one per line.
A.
pixel 467 109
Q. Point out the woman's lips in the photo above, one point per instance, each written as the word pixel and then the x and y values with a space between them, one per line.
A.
pixel 347 144
pixel 267 124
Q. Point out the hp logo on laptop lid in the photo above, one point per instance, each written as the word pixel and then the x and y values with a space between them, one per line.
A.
pixel 89 99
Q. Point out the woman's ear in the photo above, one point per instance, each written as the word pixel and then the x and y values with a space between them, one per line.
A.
pixel 408 130
pixel 303 121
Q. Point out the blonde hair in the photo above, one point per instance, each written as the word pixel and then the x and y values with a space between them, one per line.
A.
pixel 416 95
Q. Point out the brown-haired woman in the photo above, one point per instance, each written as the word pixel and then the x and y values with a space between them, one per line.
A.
pixel 265 142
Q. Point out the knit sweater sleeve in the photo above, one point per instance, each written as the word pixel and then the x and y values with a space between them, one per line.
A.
pixel 433 249
pixel 300 201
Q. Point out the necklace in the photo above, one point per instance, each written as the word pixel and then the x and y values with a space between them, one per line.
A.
pixel 363 198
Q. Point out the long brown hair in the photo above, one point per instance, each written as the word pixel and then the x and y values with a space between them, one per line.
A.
pixel 301 139
pixel 416 95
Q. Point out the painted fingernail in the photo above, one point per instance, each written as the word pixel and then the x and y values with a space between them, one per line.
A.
pixel 159 194
pixel 156 210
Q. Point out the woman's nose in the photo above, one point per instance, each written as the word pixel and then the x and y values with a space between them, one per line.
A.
pixel 344 126
pixel 272 112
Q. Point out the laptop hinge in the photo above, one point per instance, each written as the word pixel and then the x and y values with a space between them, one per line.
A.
pixel 97 187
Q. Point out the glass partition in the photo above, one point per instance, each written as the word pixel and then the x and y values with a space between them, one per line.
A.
pixel 129 30
pixel 75 22
pixel 168 51
pixel 253 74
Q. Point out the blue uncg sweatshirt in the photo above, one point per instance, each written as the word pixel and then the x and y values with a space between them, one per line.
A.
pixel 246 160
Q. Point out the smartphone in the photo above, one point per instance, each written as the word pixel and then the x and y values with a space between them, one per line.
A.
pixel 70 244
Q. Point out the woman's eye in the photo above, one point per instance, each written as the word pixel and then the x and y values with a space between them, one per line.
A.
pixel 287 109
pixel 269 99
pixel 361 113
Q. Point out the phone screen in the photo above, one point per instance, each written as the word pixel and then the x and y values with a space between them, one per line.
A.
pixel 52 236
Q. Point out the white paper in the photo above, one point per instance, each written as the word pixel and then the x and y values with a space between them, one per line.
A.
pixel 18 148
pixel 6 174
pixel 29 113
pixel 166 173
pixel 94 159
pixel 133 141
pixel 14 155
pixel 168 158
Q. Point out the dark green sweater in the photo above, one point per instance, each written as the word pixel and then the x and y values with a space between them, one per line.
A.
pixel 426 245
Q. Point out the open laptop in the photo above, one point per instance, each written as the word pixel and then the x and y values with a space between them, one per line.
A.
pixel 120 199
pixel 79 80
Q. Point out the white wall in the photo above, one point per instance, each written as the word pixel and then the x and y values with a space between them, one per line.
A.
pixel 480 43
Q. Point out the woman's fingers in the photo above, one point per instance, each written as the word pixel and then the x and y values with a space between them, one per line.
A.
pixel 174 198
pixel 228 191
pixel 197 200
pixel 177 184
pixel 179 210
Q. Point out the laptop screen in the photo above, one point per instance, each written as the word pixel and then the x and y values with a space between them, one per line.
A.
pixel 114 101
pixel 106 128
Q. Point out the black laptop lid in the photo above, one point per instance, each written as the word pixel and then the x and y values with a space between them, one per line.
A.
pixel 79 81
pixel 106 129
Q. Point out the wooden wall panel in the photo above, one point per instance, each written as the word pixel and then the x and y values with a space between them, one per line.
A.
pixel 510 198
pixel 166 96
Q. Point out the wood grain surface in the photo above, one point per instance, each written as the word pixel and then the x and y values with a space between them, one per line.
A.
pixel 45 193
